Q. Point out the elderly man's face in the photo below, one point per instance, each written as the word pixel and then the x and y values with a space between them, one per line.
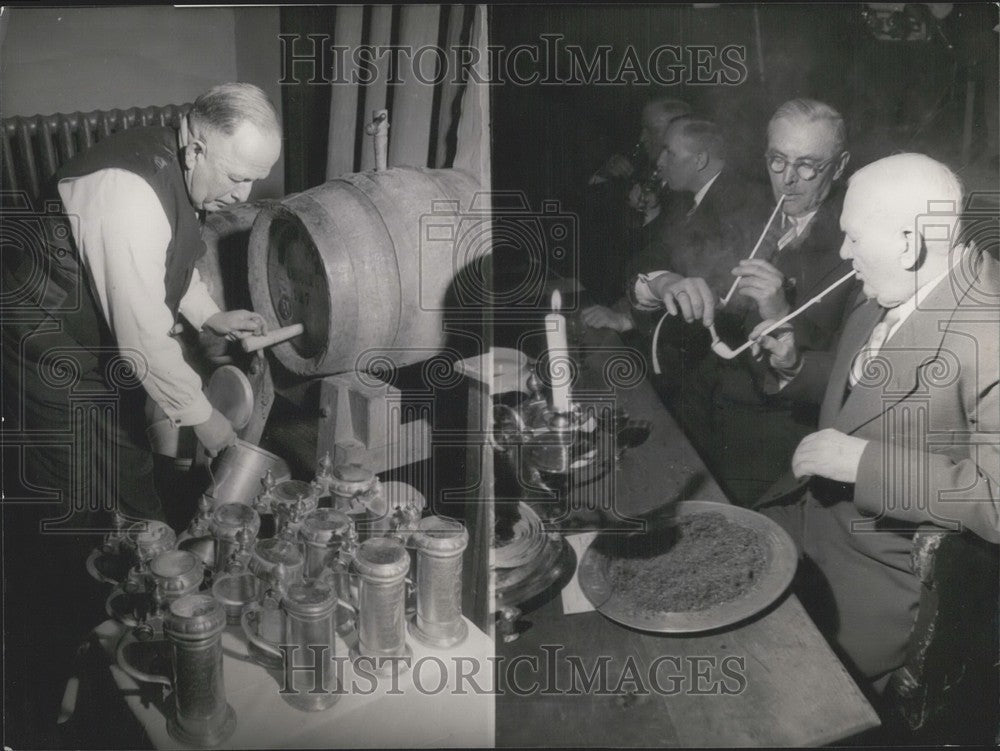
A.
pixel 222 169
pixel 678 162
pixel 797 140
pixel 875 242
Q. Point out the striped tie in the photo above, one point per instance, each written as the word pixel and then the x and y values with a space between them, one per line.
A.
pixel 863 360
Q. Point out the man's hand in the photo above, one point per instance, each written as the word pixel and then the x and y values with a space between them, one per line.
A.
pixel 235 324
pixel 216 433
pixel 765 284
pixel 691 296
pixel 783 356
pixel 829 453
pixel 642 200
pixel 600 317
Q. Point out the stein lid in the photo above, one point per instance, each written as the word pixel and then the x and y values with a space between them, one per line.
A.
pixel 195 616
pixel 293 491
pixel 382 558
pixel 274 550
pixel 349 479
pixel 439 534
pixel 324 525
pixel 151 534
pixel 232 517
pixel 309 597
pixel 173 564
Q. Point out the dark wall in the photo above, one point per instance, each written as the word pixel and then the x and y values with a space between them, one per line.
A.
pixel 895 95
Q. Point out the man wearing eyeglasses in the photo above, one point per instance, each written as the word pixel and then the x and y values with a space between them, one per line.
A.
pixel 725 407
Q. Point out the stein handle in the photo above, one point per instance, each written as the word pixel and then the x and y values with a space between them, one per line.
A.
pixel 344 600
pixel 120 616
pixel 92 567
pixel 250 632
pixel 132 671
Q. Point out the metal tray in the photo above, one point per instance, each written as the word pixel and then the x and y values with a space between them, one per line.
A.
pixel 781 561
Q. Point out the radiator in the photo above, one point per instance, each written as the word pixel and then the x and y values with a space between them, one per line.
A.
pixel 35 147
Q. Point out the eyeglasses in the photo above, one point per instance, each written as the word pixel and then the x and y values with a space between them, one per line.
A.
pixel 805 170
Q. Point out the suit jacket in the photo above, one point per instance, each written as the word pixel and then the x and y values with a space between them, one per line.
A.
pixel 711 239
pixel 810 263
pixel 931 414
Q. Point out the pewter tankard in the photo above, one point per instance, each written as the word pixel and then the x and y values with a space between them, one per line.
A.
pixel 193 627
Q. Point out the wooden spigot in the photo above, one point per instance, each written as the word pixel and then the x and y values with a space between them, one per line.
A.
pixel 379 127
pixel 254 343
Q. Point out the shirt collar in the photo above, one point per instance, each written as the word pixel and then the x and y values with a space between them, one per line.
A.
pixel 903 311
pixel 704 189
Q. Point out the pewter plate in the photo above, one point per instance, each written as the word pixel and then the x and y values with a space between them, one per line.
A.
pixel 781 560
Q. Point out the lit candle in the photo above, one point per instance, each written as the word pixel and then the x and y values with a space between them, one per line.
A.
pixel 555 337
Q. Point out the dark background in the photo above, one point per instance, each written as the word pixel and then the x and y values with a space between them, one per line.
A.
pixel 894 95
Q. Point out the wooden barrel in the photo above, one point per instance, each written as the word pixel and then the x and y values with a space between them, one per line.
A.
pixel 365 262
pixel 224 270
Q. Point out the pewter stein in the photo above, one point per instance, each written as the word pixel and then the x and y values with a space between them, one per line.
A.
pixel 309 640
pixel 382 564
pixel 176 573
pixel 275 555
pixel 439 543
pixel 323 533
pixel 146 539
pixel 193 627
pixel 291 500
pixel 234 591
pixel 228 520
pixel 349 481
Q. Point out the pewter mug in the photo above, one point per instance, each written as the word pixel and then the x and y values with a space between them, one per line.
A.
pixel 308 635
pixel 228 520
pixel 440 543
pixel 176 573
pixel 381 564
pixel 193 627
pixel 145 539
pixel 276 557
pixel 323 533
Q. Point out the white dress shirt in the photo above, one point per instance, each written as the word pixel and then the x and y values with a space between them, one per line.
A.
pixel 122 235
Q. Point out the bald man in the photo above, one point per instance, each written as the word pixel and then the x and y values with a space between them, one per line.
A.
pixel 909 428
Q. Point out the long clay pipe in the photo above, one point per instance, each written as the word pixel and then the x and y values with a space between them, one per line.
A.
pixel 723 350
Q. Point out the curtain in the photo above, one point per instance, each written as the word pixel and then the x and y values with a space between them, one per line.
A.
pixel 430 101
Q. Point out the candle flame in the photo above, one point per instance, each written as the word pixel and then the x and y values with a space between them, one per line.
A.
pixel 556 301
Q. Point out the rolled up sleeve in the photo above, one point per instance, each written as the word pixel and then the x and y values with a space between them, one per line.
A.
pixel 123 234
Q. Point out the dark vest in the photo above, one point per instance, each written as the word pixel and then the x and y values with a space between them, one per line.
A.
pixel 153 155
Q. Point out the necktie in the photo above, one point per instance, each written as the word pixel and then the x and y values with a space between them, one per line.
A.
pixel 863 360
pixel 779 234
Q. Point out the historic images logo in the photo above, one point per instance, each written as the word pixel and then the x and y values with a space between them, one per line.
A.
pixel 314 58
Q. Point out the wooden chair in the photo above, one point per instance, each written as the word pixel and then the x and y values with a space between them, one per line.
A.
pixel 947 691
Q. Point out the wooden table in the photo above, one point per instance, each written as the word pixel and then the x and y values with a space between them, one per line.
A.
pixel 444 701
pixel 770 681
